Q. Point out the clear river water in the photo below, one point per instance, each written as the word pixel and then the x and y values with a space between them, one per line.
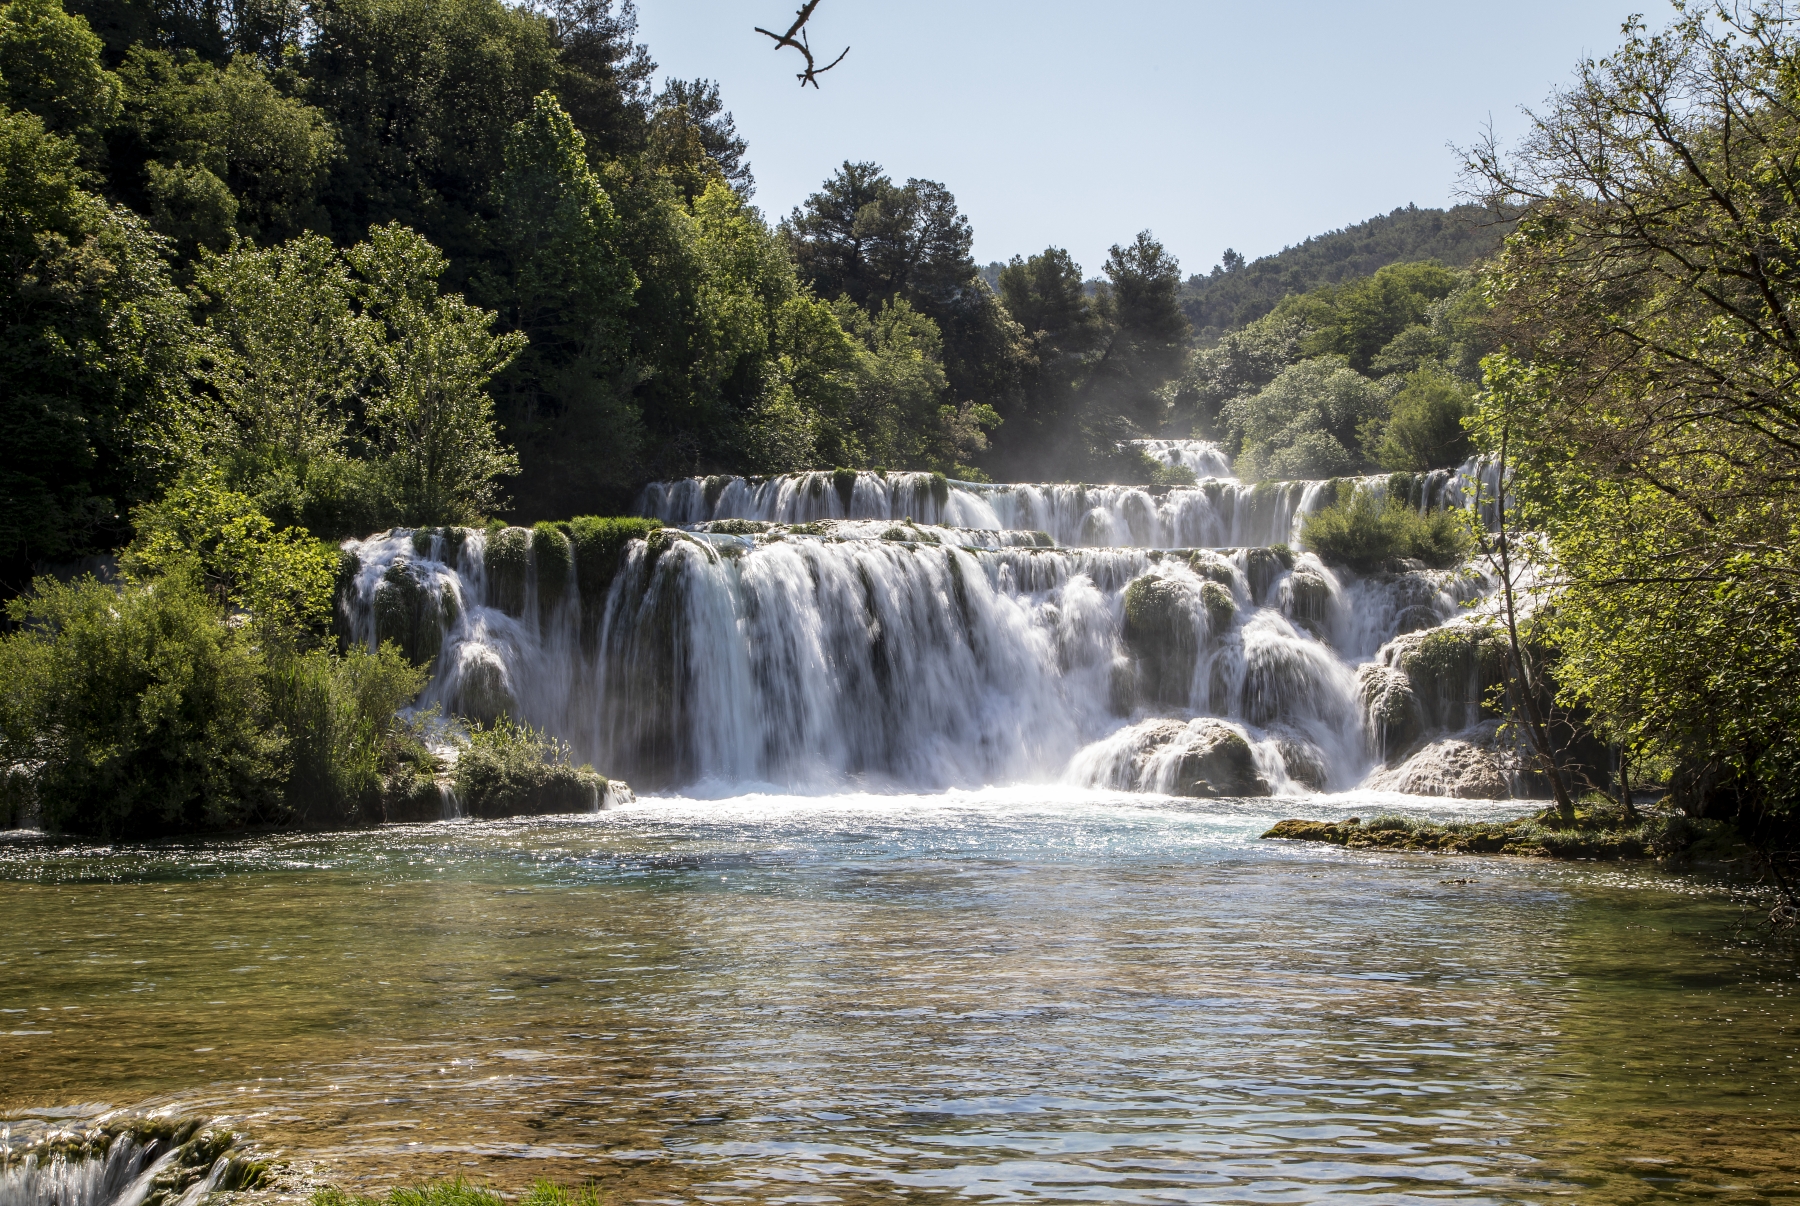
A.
pixel 1029 994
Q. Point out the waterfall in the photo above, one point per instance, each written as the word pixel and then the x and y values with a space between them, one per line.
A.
pixel 816 655
pixel 1218 511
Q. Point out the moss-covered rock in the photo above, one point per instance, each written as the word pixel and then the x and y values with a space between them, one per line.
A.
pixel 1160 634
pixel 1211 566
pixel 940 490
pixel 737 527
pixel 510 770
pixel 1219 605
pixel 408 613
pixel 844 482
pixel 1262 567
pixel 1391 713
pixel 713 487
pixel 1308 601
pixel 1455 670
pixel 480 689
pixel 1217 762
pixel 552 553
pixel 598 546
pixel 1304 762
pixel 1600 833
pixel 507 559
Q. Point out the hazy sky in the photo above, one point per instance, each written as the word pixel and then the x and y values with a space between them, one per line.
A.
pixel 1249 125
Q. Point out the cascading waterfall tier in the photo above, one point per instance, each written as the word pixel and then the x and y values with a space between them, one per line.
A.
pixel 820 653
pixel 1217 512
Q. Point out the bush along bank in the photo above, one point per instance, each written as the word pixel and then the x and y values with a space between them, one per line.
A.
pixel 1600 829
pixel 208 689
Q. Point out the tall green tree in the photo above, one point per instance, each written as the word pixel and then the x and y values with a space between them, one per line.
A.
pixel 1648 387
pixel 561 278
pixel 96 348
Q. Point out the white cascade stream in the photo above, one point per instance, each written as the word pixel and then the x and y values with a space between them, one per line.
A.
pixel 922 655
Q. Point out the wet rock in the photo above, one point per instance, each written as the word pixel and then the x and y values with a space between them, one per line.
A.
pixel 481 690
pixel 508 561
pixel 1474 765
pixel 1159 631
pixel 409 614
pixel 1416 619
pixel 1454 670
pixel 1303 761
pixel 1219 605
pixel 1216 761
pixel 1211 566
pixel 1308 600
pixel 553 556
pixel 1263 566
pixel 1391 713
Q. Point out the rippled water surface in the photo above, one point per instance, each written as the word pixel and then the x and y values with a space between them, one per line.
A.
pixel 1002 996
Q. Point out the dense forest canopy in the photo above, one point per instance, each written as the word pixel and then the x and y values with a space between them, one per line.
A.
pixel 1238 291
pixel 310 248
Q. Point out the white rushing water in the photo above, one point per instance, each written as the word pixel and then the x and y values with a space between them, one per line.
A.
pixel 881 653
pixel 1218 511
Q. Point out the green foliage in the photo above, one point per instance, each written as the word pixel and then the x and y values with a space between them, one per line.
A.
pixel 1643 400
pixel 353 757
pixel 1303 424
pixel 1364 532
pixel 142 710
pixel 210 151
pixel 50 66
pixel 1236 293
pixel 440 456
pixel 95 347
pixel 284 579
pixel 511 769
pixel 1425 430
pixel 1358 319
pixel 562 279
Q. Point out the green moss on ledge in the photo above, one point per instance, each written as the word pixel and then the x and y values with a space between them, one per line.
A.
pixel 1600 832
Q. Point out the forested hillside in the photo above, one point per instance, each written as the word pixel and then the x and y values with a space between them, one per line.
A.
pixel 1237 292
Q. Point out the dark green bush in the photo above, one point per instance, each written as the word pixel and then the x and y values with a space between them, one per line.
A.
pixel 1363 533
pixel 511 770
pixel 138 711
pixel 354 760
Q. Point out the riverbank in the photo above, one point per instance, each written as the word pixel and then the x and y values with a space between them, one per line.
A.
pixel 1603 832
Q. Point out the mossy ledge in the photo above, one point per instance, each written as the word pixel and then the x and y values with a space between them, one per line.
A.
pixel 1602 832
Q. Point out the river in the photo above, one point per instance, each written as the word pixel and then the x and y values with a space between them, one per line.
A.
pixel 1028 994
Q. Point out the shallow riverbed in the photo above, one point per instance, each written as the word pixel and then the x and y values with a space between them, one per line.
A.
pixel 1011 995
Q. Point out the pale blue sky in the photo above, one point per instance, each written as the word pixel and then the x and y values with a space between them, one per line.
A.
pixel 1077 124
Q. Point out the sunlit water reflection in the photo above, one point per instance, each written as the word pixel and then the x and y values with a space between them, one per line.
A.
pixel 1019 995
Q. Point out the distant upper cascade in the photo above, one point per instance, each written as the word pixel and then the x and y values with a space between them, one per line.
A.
pixel 1218 512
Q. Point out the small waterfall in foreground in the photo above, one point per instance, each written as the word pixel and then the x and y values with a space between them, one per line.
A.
pixel 823 653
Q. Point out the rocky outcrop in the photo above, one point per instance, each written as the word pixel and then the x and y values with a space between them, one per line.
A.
pixel 1162 637
pixel 1476 764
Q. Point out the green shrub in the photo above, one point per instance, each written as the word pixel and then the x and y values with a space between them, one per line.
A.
pixel 354 760
pixel 1363 533
pixel 598 544
pixel 510 770
pixel 138 711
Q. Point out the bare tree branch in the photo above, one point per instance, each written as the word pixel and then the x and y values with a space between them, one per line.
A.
pixel 813 70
